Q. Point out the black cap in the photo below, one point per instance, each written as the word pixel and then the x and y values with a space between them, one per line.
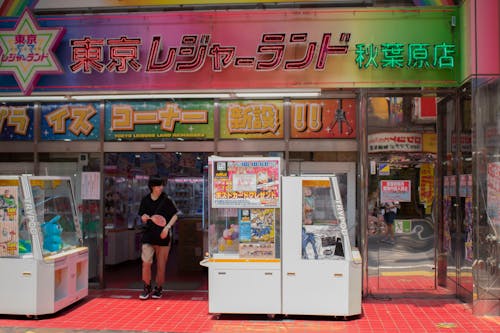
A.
pixel 155 181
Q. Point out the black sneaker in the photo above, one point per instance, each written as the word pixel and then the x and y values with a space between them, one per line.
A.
pixel 146 292
pixel 157 292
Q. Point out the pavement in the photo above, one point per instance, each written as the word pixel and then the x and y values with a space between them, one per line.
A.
pixel 187 312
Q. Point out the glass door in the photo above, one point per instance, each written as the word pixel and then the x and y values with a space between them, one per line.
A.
pixel 401 225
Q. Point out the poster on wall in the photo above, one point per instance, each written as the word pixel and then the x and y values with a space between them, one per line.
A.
pixel 16 122
pixel 9 221
pixel 251 119
pixel 323 119
pixel 395 190
pixel 469 231
pixel 447 209
pixel 395 110
pixel 426 188
pixel 493 196
pixel 240 183
pixel 424 110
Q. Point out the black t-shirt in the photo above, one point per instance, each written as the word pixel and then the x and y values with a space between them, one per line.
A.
pixel 163 206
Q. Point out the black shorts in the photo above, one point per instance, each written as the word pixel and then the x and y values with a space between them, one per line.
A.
pixel 389 217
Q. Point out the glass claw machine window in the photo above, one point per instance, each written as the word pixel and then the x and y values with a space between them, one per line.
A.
pixel 321 272
pixel 44 263
pixel 243 235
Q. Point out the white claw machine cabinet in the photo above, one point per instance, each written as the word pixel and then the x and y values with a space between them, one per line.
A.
pixel 321 269
pixel 44 266
pixel 244 268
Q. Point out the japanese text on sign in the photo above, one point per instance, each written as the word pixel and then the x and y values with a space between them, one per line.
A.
pixel 124 118
pixel 395 190
pixel 253 118
pixel 15 117
pixel 79 117
pixel 246 183
pixel 396 55
pixel 403 142
pixel 87 54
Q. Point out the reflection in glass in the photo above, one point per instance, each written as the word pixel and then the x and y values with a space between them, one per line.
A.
pixel 322 237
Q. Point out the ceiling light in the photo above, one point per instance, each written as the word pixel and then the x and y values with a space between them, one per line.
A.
pixel 33 98
pixel 148 96
pixel 278 93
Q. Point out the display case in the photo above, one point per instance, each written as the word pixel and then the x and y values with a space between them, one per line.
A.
pixel 244 267
pixel 187 193
pixel 320 268
pixel 44 265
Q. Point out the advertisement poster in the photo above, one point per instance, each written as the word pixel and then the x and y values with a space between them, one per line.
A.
pixel 384 169
pixel 395 190
pixel 323 119
pixel 250 183
pixel 245 225
pixel 426 188
pixel 468 229
pixel 91 183
pixel 395 110
pixel 395 142
pixel 9 221
pixel 447 207
pixel 493 196
pixel 402 226
pixel 259 224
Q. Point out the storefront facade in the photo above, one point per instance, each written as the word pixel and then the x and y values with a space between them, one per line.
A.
pixel 111 98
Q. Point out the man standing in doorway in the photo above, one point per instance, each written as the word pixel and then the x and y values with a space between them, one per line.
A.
pixel 158 214
pixel 390 211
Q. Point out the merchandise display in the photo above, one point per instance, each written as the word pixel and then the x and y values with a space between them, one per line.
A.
pixel 43 261
pixel 243 235
pixel 282 239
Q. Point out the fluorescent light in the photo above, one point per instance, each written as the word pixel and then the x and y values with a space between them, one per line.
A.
pixel 277 93
pixel 268 93
pixel 33 98
pixel 148 96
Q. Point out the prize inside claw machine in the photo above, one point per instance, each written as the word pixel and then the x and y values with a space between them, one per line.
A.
pixel 243 235
pixel 43 261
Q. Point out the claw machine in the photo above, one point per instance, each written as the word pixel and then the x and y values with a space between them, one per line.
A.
pixel 244 266
pixel 320 267
pixel 43 261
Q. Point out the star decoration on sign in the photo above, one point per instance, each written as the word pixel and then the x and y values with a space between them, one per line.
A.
pixel 27 51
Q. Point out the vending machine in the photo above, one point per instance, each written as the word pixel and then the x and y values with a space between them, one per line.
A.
pixel 43 261
pixel 244 265
pixel 321 269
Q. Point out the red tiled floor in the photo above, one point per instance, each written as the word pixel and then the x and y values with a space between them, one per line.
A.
pixel 187 312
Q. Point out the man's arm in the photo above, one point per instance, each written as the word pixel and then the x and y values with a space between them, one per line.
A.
pixel 169 226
